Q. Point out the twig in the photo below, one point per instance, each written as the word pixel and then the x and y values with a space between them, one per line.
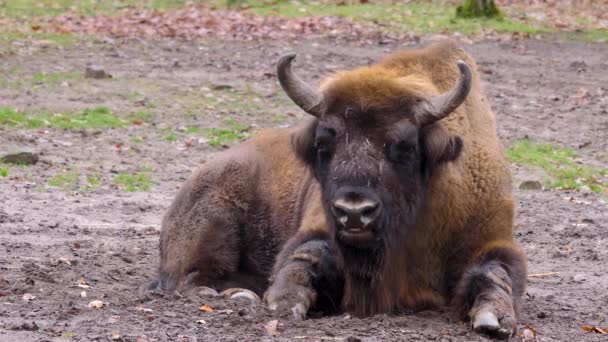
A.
pixel 538 275
pixel 320 338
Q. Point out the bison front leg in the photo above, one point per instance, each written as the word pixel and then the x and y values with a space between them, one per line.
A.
pixel 306 275
pixel 489 293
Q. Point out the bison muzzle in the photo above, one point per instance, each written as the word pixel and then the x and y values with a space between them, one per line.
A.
pixel 394 195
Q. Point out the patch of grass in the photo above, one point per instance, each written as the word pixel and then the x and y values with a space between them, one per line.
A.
pixel 3 172
pixel 100 117
pixel 192 129
pixel 53 79
pixel 140 181
pixel 93 181
pixel 95 118
pixel 68 335
pixel 234 131
pixel 559 163
pixel 170 137
pixel 137 140
pixel 143 116
pixel 50 8
pixel 67 180
pixel 426 17
pixel 8 37
pixel 596 35
pixel 8 116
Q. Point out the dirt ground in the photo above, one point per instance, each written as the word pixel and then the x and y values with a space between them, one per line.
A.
pixel 104 239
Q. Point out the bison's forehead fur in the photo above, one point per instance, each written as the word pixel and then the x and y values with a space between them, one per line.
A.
pixel 375 90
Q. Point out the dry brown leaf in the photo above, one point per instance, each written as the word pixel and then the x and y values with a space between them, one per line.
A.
pixel 96 304
pixel 206 308
pixel 271 327
pixel 83 283
pixel 595 329
pixel 528 334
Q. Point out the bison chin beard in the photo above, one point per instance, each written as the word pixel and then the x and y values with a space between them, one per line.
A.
pixel 370 274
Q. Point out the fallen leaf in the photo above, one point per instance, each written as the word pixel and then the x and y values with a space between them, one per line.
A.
pixel 28 297
pixel 76 245
pixel 271 327
pixel 593 328
pixel 206 308
pixel 83 283
pixel 116 336
pixel 96 304
pixel 137 122
pixel 528 334
pixel 65 261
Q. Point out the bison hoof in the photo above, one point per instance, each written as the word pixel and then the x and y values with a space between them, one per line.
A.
pixel 236 292
pixel 486 322
pixel 294 301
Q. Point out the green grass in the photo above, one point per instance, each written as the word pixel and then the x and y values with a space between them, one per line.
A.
pixel 170 137
pixel 560 164
pixel 93 181
pixel 142 116
pixel 3 172
pixel 9 116
pixel 8 37
pixel 50 8
pixel 73 180
pixel 68 335
pixel 137 140
pixel 67 180
pixel 192 129
pixel 234 131
pixel 53 79
pixel 140 181
pixel 42 79
pixel 412 17
pixel 95 118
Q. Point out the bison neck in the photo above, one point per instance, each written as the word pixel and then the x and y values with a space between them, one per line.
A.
pixel 368 289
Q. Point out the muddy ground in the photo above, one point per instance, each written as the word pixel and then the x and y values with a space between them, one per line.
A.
pixel 53 238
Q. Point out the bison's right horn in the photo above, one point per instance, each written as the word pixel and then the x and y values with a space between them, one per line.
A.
pixel 298 91
pixel 440 106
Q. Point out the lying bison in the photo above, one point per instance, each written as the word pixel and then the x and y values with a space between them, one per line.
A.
pixel 396 195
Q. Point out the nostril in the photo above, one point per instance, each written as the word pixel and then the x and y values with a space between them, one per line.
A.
pixel 339 212
pixel 370 211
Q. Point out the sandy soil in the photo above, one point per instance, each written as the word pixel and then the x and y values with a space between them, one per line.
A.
pixel 52 238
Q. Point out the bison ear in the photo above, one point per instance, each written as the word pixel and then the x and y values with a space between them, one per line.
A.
pixel 440 146
pixel 303 141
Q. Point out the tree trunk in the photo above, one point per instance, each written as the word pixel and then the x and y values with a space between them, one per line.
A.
pixel 478 8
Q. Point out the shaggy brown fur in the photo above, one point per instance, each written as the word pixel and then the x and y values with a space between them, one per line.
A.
pixel 446 235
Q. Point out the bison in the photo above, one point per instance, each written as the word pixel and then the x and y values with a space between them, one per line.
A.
pixel 394 195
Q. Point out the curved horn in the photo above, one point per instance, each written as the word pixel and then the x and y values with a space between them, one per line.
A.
pixel 440 106
pixel 310 100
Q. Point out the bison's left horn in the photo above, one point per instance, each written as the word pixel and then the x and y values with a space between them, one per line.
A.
pixel 310 100
pixel 440 106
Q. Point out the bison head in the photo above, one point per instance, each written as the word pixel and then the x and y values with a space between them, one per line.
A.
pixel 373 146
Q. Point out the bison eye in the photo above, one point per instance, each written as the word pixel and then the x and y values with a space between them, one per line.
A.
pixel 324 137
pixel 402 152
